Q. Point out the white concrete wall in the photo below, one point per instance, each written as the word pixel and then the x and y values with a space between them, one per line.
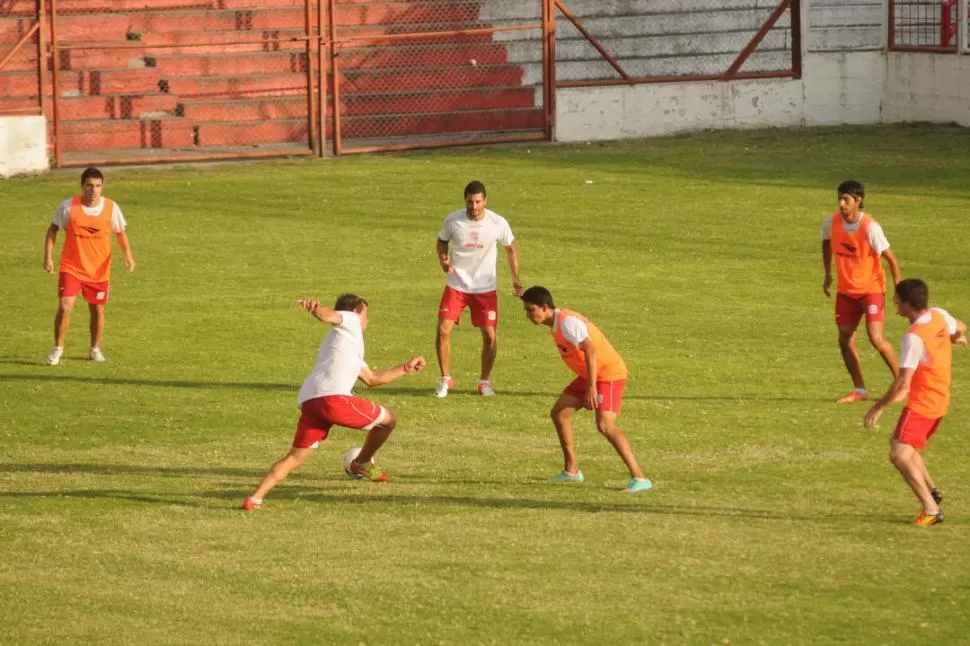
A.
pixel 23 145
pixel 927 87
pixel 837 87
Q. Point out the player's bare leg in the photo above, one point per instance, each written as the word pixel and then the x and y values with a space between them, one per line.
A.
pixel 562 418
pixel 902 457
pixel 850 356
pixel 489 350
pixel 606 425
pixel 62 320
pixel 376 437
pixel 921 466
pixel 280 470
pixel 885 348
pixel 97 323
pixel 442 346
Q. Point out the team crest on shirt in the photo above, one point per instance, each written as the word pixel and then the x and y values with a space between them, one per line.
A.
pixel 473 242
pixel 873 308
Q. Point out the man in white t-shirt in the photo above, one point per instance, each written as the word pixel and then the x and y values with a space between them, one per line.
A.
pixel 473 234
pixel 326 398
pixel 857 245
pixel 88 221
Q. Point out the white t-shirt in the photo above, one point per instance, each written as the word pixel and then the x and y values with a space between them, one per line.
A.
pixel 473 249
pixel 573 328
pixel 63 214
pixel 913 351
pixel 339 362
pixel 877 238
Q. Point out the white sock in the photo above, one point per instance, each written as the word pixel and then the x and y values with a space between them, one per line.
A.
pixel 862 391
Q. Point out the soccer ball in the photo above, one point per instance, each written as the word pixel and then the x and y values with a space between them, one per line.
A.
pixel 349 457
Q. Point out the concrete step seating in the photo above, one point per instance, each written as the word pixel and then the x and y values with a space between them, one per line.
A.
pixel 133 75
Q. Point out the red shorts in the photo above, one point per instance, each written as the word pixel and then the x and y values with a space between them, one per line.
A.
pixel 914 429
pixel 319 414
pixel 70 285
pixel 609 393
pixel 849 309
pixel 484 307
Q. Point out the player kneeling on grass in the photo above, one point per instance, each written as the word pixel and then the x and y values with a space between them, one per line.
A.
pixel 601 378
pixel 924 382
pixel 326 398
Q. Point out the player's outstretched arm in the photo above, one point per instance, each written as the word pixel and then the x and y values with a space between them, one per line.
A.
pixel 444 258
pixel 125 245
pixel 513 257
pixel 897 392
pixel 827 266
pixel 960 336
pixel 49 248
pixel 320 312
pixel 374 378
pixel 893 265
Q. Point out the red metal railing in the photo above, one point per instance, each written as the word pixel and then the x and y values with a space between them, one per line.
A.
pixel 350 104
pixel 923 26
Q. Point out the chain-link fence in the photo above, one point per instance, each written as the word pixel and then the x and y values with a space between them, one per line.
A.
pixel 136 81
pixel 21 72
pixel 599 42
pixel 435 72
pixel 924 25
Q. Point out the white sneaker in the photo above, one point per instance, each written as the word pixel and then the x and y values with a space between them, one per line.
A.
pixel 54 357
pixel 96 355
pixel 442 390
pixel 485 389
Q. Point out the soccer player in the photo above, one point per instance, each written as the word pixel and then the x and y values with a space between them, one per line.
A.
pixel 326 398
pixel 924 382
pixel 601 379
pixel 858 244
pixel 473 233
pixel 85 268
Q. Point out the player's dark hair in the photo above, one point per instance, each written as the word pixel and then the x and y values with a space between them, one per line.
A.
pixel 914 292
pixel 349 303
pixel 474 188
pixel 91 173
pixel 538 296
pixel 853 188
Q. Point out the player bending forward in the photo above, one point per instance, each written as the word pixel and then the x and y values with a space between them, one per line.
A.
pixel 326 398
pixel 599 384
pixel 924 382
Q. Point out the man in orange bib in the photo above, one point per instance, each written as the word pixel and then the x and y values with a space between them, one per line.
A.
pixel 85 268
pixel 858 245
pixel 924 382
pixel 601 379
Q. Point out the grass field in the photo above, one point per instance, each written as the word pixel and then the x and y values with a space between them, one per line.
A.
pixel 776 519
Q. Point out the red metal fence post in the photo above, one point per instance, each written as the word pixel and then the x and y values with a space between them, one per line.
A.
pixel 55 85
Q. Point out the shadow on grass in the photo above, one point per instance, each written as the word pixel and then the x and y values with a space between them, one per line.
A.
pixel 291 492
pixel 422 391
pixel 138 470
pixel 642 503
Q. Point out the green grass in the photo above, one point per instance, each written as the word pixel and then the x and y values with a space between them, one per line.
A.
pixel 776 519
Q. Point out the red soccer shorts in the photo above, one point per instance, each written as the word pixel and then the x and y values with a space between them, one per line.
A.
pixel 914 429
pixel 317 415
pixel 850 309
pixel 609 394
pixel 70 285
pixel 484 307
